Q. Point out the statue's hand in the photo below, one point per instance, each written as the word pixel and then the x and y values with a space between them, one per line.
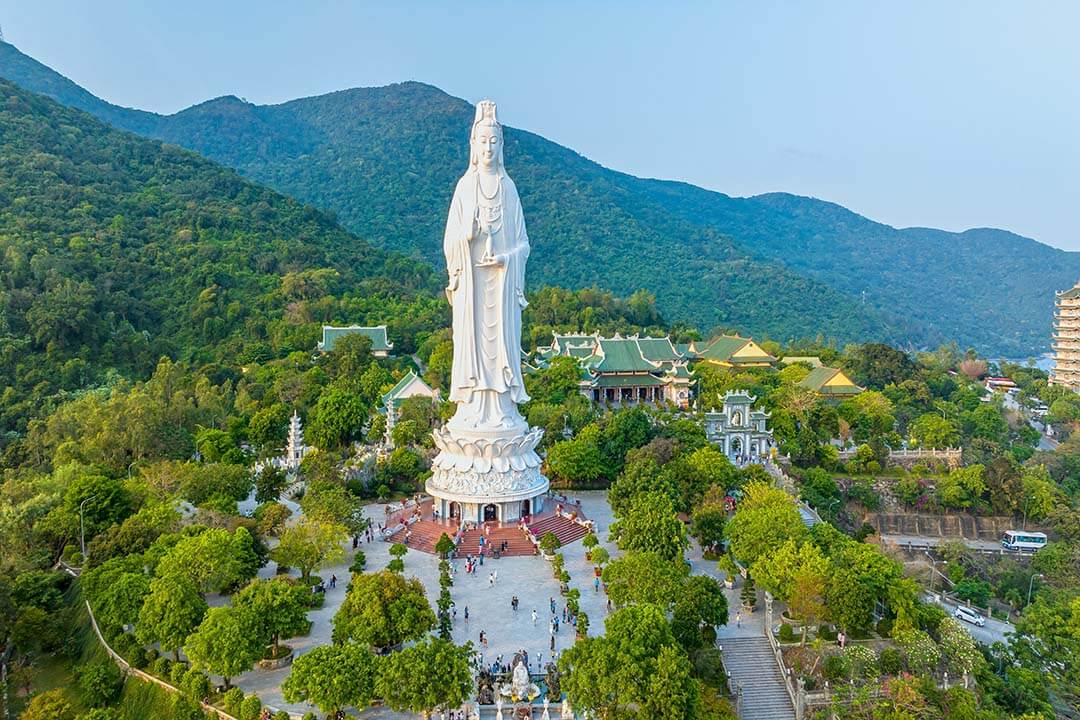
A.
pixel 501 260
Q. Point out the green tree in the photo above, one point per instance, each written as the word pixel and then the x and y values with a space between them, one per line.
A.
pixel 171 612
pixel 332 677
pixel 651 525
pixel 962 487
pixel 644 577
pixel 226 643
pixel 777 571
pixel 933 431
pixel 766 518
pixel 119 603
pixel 432 674
pixel 615 675
pixel 310 544
pixel 214 559
pixel 382 610
pixel 279 607
pixel 269 484
pixel 578 461
pixel 861 576
pixel 100 683
pixel 338 417
pixel 266 429
pixel 700 607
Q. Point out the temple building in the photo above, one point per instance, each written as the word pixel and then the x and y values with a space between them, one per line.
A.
pixel 830 383
pixel 1066 342
pixel 380 344
pixel 626 370
pixel 295 449
pixel 731 351
pixel 409 386
pixel 740 429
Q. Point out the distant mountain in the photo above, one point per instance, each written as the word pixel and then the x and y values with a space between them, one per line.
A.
pixel 384 161
pixel 116 250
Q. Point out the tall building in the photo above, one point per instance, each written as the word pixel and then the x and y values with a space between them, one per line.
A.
pixel 1066 343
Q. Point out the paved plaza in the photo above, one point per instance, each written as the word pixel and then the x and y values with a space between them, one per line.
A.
pixel 529 578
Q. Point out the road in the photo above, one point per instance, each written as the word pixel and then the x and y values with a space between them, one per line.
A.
pixel 1046 443
pixel 994 630
pixel 922 541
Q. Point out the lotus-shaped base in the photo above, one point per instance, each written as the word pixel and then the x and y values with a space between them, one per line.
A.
pixel 499 465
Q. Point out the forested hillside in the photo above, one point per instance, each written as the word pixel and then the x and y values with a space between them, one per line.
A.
pixel 384 161
pixel 116 250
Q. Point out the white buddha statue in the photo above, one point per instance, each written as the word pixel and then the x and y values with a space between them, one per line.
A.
pixel 486 248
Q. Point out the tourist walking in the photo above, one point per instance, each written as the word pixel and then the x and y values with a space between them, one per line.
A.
pixel 596 584
pixel 738 619
pixel 534 617
pixel 491 579
pixel 333 581
pixel 551 602
pixel 466 614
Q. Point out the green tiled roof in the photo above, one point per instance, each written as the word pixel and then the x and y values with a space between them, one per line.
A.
pixel 379 341
pixel 619 381
pixel 658 349
pixel 820 375
pixel 622 355
pixel 680 371
pixel 392 393
pixel 722 347
pixel 684 349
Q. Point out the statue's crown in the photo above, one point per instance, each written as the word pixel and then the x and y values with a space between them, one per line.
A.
pixel 485 113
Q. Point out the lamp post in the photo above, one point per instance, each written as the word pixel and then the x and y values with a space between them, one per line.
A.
pixel 1030 583
pixel 933 565
pixel 82 526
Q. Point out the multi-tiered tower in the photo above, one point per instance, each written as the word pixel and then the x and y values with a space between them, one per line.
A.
pixel 296 449
pixel 1066 344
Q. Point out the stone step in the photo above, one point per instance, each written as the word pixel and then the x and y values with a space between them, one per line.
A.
pixel 753 668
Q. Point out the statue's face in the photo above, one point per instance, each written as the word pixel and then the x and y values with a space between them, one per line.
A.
pixel 487 146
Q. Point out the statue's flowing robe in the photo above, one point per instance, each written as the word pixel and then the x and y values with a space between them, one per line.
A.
pixel 480 365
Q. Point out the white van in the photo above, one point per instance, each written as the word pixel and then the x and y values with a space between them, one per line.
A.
pixel 968 615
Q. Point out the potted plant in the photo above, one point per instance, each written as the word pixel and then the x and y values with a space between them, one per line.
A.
pixel 730 571
pixel 549 543
pixel 590 541
pixel 564 583
pixel 748 596
pixel 582 625
pixel 599 557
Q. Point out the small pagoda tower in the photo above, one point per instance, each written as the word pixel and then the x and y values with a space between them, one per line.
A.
pixel 296 448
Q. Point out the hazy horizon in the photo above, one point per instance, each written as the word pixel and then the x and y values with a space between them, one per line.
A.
pixel 953 117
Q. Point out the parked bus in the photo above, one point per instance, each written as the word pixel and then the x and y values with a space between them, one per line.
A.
pixel 1023 540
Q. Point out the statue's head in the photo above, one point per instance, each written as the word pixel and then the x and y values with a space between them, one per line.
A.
pixel 486 139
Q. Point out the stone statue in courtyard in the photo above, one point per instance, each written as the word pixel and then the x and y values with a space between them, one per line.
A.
pixel 520 686
pixel 487 467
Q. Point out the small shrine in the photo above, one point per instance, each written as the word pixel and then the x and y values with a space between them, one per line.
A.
pixel 739 429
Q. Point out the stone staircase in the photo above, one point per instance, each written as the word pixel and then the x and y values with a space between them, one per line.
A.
pixel 750 662
pixel 425 533
pixel 517 542
pixel 566 530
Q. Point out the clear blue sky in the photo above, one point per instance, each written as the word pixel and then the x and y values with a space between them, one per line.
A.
pixel 942 114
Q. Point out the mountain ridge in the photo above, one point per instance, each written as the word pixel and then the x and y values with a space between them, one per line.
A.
pixel 383 161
